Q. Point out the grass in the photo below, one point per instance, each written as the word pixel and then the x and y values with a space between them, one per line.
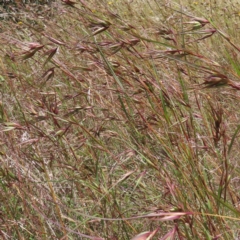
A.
pixel 120 119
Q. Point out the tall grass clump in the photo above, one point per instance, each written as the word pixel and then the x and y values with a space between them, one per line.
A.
pixel 120 120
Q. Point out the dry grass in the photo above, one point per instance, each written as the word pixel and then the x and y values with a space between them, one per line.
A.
pixel 120 117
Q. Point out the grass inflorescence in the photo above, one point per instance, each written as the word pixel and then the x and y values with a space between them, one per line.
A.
pixel 120 120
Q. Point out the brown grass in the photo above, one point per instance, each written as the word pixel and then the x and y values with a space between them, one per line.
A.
pixel 118 118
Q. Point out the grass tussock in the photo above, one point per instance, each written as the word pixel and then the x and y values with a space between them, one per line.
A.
pixel 120 120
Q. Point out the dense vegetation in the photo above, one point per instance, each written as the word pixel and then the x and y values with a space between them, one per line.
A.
pixel 118 118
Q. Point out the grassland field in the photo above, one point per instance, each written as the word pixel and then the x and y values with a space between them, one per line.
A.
pixel 120 120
